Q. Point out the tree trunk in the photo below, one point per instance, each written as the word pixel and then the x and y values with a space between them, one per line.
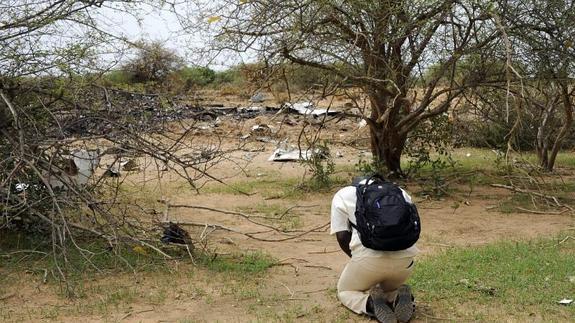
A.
pixel 387 147
pixel 543 137
pixel 567 123
pixel 386 142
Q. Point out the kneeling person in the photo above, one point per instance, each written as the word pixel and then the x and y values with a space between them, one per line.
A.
pixel 377 225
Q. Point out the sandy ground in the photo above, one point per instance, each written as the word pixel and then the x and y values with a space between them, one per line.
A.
pixel 302 288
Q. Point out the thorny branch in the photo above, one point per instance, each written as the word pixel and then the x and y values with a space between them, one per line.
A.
pixel 55 164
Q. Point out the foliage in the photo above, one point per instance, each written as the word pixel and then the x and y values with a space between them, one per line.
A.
pixel 368 167
pixel 341 40
pixel 120 258
pixel 429 147
pixel 484 122
pixel 321 166
pixel 116 77
pixel 481 66
pixel 197 76
pixel 229 76
pixel 153 63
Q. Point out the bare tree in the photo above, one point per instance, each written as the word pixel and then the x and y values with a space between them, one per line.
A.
pixel 54 117
pixel 542 35
pixel 382 47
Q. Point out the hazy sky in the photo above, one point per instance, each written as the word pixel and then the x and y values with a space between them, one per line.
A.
pixel 160 25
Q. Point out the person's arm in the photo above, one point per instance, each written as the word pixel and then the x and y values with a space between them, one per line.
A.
pixel 343 238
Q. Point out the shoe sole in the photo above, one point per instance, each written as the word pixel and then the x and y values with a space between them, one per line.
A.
pixel 404 306
pixel 382 312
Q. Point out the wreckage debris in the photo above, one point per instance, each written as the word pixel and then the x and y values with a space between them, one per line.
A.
pixel 146 112
pixel 130 165
pixel 21 187
pixel 77 169
pixel 294 154
pixel 110 172
pixel 308 108
pixel 261 130
pixel 173 233
pixel 258 98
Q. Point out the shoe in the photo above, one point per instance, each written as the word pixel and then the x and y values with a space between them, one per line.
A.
pixel 404 305
pixel 381 309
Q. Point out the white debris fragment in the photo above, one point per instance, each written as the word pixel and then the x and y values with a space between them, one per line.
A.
pixel 21 187
pixel 85 161
pixel 260 126
pixel 565 301
pixel 468 155
pixel 251 109
pixel 284 155
pixel 261 130
pixel 361 124
pixel 308 108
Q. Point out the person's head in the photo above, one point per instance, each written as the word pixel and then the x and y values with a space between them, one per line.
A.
pixel 358 179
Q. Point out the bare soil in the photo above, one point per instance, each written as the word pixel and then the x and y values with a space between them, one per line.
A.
pixel 301 287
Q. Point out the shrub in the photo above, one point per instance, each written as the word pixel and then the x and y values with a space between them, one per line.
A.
pixel 153 63
pixel 197 76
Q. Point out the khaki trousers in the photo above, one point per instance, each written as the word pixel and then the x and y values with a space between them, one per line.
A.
pixel 362 273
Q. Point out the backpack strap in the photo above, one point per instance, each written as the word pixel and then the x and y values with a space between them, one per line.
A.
pixel 357 183
pixel 352 225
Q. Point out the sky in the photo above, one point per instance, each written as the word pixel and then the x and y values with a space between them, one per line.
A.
pixel 161 25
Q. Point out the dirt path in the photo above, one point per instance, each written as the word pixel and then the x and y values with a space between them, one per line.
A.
pixel 302 286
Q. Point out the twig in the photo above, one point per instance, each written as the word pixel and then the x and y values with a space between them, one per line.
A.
pixel 284 213
pixel 135 313
pixel 23 251
pixel 315 291
pixel 45 277
pixel 318 266
pixel 243 215
pixel 289 290
pixel 252 235
pixel 190 254
pixel 283 261
pixel 7 296
pixel 440 244
pixel 322 252
pixel 550 197
pixel 540 212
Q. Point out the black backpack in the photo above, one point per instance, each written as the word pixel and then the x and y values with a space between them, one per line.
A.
pixel 385 220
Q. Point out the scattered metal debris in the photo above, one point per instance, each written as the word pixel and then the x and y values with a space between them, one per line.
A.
pixel 294 154
pixel 21 187
pixel 308 108
pixel 565 301
pixel 173 233
pixel 266 139
pixel 261 130
pixel 258 98
pixel 130 165
pixel 78 168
